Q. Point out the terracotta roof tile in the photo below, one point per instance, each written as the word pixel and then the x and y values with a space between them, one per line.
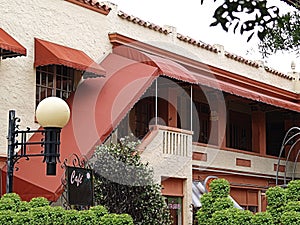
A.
pixel 93 4
pixel 143 23
pixel 277 73
pixel 197 43
pixel 242 60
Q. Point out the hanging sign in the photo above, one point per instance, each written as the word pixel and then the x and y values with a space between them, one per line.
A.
pixel 80 186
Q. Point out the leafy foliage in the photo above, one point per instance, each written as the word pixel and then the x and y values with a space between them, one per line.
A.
pixel 38 211
pixel 283 207
pixel 217 208
pixel 220 188
pixel 262 218
pixel 124 184
pixel 290 218
pixel 276 32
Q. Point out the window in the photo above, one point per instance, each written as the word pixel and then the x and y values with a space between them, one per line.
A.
pixel 54 80
pixel 202 133
pixel 240 131
pixel 275 132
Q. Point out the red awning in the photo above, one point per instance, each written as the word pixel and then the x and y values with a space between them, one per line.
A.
pixel 48 53
pixel 9 47
pixel 212 81
pixel 207 77
pixel 166 67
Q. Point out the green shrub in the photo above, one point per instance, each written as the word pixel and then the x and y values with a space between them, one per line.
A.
pixel 240 217
pixel 38 202
pixel 276 197
pixel 71 217
pixel 87 217
pixel 293 190
pixel 222 203
pixel 276 213
pixel 231 216
pixel 39 215
pixel 56 214
pixel 203 218
pixel 207 201
pixel 6 217
pixel 22 218
pixel 290 218
pixel 99 210
pixel 7 204
pixel 262 218
pixel 116 219
pixel 220 188
pixel 14 197
pixel 292 206
pixel 23 206
pixel 220 218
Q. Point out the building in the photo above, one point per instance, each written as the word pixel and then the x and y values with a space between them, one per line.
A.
pixel 199 110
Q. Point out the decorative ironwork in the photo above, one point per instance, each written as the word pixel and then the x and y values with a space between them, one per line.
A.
pixel 75 161
pixel 289 143
pixel 19 145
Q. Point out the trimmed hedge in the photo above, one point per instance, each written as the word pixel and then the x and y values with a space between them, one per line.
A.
pixel 13 211
pixel 283 207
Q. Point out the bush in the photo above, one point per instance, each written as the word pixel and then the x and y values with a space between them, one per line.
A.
pixel 71 217
pixel 221 204
pixel 276 197
pixel 292 206
pixel 14 197
pixel 290 218
pixel 220 188
pixel 293 190
pixel 39 215
pixel 87 217
pixel 56 214
pixel 240 217
pixel 6 217
pixel 115 219
pixel 22 218
pixel 207 201
pixel 38 202
pixel 7 204
pixel 99 210
pixel 37 211
pixel 231 216
pixel 262 218
pixel 23 206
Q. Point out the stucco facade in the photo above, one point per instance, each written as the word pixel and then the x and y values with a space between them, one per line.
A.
pixel 91 29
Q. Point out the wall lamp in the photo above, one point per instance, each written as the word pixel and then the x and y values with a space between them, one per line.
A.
pixel 52 114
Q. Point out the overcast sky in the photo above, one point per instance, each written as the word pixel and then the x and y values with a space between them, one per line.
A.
pixel 193 19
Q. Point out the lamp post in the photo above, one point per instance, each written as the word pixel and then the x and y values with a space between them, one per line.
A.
pixel 52 114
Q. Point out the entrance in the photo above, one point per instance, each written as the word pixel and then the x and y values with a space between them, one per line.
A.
pixel 175 207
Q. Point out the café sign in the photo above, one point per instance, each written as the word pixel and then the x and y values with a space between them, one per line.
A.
pixel 80 186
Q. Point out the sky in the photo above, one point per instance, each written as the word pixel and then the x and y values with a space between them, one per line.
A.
pixel 193 19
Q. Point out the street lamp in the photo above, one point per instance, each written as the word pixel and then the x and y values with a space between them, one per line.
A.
pixel 52 114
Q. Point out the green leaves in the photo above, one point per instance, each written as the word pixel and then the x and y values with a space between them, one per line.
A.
pixel 13 211
pixel 276 32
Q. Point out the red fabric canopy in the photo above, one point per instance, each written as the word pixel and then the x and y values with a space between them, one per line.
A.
pixel 48 53
pixel 9 47
pixel 166 67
